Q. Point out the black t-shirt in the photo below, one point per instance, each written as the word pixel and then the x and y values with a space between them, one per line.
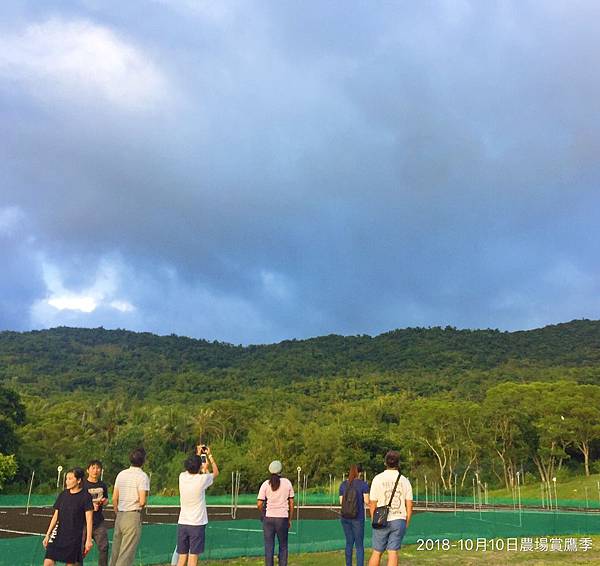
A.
pixel 97 490
pixel 71 514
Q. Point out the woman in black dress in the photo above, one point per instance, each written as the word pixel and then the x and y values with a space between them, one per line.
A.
pixel 73 512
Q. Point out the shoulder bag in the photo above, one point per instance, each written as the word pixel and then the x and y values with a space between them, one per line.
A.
pixel 380 517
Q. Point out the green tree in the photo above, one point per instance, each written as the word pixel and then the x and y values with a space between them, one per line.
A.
pixel 580 413
pixel 8 468
pixel 12 414
pixel 506 421
pixel 448 430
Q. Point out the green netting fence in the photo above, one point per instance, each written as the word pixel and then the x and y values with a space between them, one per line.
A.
pixel 44 500
pixel 243 537
pixel 549 502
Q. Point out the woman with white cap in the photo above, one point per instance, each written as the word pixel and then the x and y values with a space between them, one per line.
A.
pixel 276 495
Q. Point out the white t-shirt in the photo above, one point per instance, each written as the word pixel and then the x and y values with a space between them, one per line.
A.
pixel 130 482
pixel 381 491
pixel 192 500
pixel 277 501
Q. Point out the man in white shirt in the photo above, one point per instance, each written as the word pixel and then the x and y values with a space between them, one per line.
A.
pixel 390 537
pixel 193 516
pixel 129 498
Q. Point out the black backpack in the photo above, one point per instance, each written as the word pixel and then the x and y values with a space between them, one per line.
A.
pixel 350 502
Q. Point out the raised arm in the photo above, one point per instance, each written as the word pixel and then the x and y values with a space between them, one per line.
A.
pixel 213 463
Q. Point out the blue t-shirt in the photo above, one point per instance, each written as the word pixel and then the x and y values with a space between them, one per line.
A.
pixel 361 488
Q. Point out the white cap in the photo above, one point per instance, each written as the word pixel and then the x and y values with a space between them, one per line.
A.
pixel 275 467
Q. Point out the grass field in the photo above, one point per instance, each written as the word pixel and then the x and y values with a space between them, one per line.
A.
pixel 410 555
pixel 573 489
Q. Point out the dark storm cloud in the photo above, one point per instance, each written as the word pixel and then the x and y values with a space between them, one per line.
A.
pixel 255 172
pixel 21 282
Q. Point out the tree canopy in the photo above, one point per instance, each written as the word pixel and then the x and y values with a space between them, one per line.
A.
pixel 455 402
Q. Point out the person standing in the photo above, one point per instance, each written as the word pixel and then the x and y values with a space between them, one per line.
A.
pixel 98 491
pixel 129 498
pixel 390 537
pixel 72 515
pixel 354 495
pixel 193 517
pixel 277 494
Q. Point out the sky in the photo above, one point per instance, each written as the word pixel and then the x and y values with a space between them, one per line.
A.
pixel 250 172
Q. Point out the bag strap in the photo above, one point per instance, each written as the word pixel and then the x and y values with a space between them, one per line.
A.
pixel 394 490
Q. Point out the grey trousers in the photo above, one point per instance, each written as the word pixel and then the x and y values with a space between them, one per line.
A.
pixel 100 537
pixel 126 537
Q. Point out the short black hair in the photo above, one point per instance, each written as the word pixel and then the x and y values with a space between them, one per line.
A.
pixel 392 459
pixel 94 463
pixel 137 457
pixel 193 464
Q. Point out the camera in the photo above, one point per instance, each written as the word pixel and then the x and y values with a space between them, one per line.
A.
pixel 202 451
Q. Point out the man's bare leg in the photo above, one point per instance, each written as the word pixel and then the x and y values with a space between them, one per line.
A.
pixel 392 558
pixel 375 558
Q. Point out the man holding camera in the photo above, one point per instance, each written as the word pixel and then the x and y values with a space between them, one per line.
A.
pixel 193 516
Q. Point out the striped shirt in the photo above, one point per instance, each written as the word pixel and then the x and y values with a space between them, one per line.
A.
pixel 129 482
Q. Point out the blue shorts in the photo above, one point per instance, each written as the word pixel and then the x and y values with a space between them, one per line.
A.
pixel 190 539
pixel 390 537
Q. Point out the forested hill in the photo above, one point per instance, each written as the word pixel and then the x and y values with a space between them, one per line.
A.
pixel 67 359
pixel 114 389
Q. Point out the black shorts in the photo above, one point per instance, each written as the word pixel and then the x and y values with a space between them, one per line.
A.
pixel 190 539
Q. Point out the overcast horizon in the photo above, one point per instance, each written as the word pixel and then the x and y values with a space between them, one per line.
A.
pixel 251 172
